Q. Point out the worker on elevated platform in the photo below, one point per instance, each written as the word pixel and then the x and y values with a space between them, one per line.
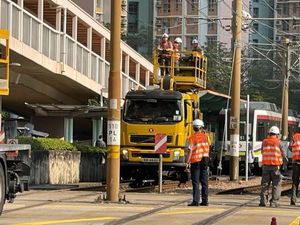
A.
pixel 295 147
pixel 198 160
pixel 176 49
pixel 197 61
pixel 196 46
pixel 272 159
pixel 165 47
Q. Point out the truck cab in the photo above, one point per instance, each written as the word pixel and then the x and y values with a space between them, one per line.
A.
pixel 168 107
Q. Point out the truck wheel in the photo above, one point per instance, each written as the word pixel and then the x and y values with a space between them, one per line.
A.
pixel 2 188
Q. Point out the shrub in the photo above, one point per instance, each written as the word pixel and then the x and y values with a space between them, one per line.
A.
pixel 88 148
pixel 47 144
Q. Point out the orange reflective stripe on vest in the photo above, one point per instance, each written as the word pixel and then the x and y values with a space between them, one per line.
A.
pixel 271 153
pixel 296 147
pixel 199 147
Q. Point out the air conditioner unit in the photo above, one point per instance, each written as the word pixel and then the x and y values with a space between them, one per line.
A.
pixel 278 22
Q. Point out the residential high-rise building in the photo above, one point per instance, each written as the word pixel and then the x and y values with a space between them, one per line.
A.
pixel 287 24
pixel 101 11
pixel 140 26
pixel 262 30
pixel 208 21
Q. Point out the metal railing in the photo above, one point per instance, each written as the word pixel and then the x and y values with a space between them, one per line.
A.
pixel 35 33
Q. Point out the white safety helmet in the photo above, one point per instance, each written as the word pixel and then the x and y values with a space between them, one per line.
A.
pixel 178 40
pixel 195 41
pixel 165 35
pixel 198 123
pixel 274 130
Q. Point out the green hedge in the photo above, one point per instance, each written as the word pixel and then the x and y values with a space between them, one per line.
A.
pixel 57 144
pixel 47 144
pixel 88 148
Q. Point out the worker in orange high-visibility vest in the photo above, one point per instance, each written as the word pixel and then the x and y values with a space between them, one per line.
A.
pixel 272 159
pixel 197 160
pixel 295 147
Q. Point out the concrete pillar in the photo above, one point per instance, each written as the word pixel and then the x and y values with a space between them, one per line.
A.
pixel 147 78
pixel 68 129
pixel 125 86
pixel 21 4
pixel 97 126
pixel 137 72
pixel 74 36
pixel 94 133
pixel 64 48
pixel 41 17
pixel 89 46
pixel 58 28
pixel 102 66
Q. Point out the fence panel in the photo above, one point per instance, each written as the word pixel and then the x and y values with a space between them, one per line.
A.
pixel 94 67
pixel 26 29
pixel 85 65
pixel 35 34
pixel 46 41
pixel 4 15
pixel 15 23
pixel 79 59
pixel 53 45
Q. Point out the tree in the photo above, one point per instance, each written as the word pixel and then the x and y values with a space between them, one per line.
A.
pixel 219 68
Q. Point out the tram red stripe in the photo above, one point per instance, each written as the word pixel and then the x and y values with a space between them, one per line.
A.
pixel 266 117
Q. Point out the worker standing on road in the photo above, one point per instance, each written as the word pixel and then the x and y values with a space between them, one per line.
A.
pixel 295 147
pixel 197 160
pixel 272 159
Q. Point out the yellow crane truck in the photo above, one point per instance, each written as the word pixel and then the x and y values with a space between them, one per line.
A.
pixel 168 107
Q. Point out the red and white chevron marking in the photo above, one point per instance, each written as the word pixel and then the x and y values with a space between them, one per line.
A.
pixel 2 137
pixel 160 143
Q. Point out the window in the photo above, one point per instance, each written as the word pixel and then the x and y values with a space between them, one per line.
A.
pixel 261 131
pixel 255 12
pixel 166 6
pixel 177 4
pixel 285 26
pixel 255 27
pixel 212 4
pixel 285 9
pixel 211 40
pixel 211 26
pixel 133 8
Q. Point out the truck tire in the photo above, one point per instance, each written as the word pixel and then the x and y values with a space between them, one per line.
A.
pixel 2 188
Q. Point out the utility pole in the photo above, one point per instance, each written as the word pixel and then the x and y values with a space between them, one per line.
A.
pixel 236 91
pixel 285 92
pixel 114 91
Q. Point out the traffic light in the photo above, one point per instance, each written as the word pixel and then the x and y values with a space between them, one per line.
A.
pixel 4 62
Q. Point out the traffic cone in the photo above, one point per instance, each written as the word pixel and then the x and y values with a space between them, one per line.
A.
pixel 273 221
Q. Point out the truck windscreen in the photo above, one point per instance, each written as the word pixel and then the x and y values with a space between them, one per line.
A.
pixel 152 111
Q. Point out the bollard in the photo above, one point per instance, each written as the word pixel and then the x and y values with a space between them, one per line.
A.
pixel 273 221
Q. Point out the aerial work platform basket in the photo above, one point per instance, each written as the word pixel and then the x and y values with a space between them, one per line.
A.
pixel 186 70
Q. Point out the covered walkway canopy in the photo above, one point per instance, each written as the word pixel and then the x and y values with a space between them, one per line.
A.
pixel 213 102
